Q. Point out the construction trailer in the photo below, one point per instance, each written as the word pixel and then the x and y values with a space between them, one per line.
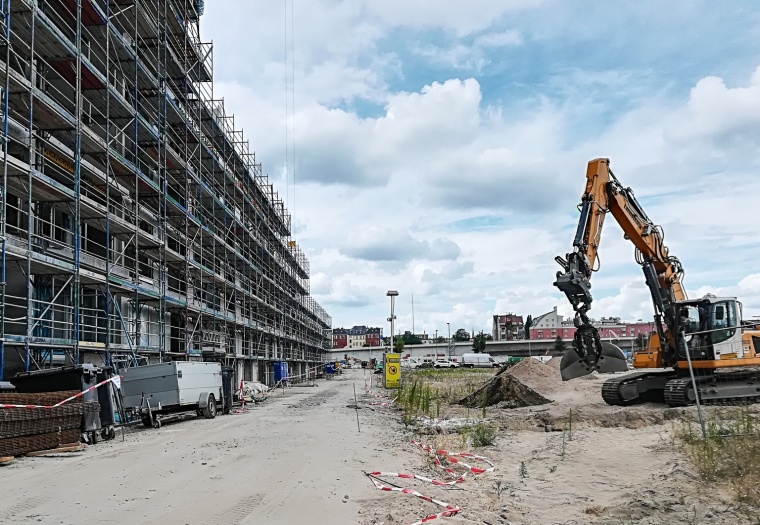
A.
pixel 136 226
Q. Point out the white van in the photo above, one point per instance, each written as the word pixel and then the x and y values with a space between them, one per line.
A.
pixel 412 363
pixel 478 361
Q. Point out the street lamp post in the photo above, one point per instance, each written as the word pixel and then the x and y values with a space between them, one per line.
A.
pixel 449 345
pixel 392 294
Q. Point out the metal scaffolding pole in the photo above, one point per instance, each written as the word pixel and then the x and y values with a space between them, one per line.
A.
pixel 6 17
pixel 77 186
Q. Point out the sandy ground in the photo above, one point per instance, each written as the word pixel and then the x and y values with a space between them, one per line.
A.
pixel 299 459
pixel 619 465
pixel 296 458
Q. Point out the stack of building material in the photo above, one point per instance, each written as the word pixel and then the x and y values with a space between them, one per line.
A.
pixel 27 429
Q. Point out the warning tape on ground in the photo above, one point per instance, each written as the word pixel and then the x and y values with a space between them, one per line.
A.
pixel 378 396
pixel 403 475
pixel 451 510
pixel 451 457
pixel 80 394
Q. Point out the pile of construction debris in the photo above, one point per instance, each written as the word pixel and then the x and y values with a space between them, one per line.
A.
pixel 252 392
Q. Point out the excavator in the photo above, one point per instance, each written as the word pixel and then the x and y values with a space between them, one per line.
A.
pixel 700 343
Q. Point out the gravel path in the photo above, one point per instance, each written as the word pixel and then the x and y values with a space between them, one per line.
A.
pixel 296 458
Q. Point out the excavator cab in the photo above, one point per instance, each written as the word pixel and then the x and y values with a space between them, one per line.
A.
pixel 711 326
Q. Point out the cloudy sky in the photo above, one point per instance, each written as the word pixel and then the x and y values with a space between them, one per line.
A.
pixel 439 147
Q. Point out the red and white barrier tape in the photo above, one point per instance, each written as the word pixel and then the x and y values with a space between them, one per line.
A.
pixel 451 457
pixel 451 510
pixel 308 372
pixel 378 396
pixel 403 475
pixel 114 378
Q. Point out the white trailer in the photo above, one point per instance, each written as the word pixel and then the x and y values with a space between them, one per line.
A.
pixel 174 387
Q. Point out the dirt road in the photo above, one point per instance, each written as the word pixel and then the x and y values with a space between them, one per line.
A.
pixel 297 458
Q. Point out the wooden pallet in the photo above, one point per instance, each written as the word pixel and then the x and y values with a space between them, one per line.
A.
pixel 70 447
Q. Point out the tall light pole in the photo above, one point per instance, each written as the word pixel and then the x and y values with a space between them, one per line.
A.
pixel 449 345
pixel 392 294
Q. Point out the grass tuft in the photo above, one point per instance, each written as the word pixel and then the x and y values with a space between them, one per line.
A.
pixel 730 451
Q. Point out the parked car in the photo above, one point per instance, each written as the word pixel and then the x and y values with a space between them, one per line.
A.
pixel 445 363
pixel 479 361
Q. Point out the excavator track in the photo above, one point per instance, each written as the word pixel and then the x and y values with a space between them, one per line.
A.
pixel 677 392
pixel 731 388
pixel 739 387
pixel 635 388
pixel 611 390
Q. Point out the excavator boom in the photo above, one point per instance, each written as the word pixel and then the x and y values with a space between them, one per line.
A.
pixel 604 194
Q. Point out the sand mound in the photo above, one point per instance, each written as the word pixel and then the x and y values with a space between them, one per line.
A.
pixel 506 389
pixel 554 362
pixel 543 378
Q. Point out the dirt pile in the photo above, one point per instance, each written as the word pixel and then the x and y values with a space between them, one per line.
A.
pixel 554 362
pixel 543 378
pixel 505 389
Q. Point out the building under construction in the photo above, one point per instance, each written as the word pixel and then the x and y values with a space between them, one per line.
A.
pixel 137 226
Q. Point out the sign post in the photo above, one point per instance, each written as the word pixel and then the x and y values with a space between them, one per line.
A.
pixel 392 370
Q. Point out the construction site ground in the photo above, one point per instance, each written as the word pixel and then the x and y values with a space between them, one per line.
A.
pixel 298 458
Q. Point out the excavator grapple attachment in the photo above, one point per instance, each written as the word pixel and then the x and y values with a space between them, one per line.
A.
pixel 591 354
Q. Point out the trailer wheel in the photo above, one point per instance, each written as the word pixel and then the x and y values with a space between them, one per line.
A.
pixel 210 411
pixel 156 423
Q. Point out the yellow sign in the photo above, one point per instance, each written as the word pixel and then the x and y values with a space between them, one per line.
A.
pixel 392 368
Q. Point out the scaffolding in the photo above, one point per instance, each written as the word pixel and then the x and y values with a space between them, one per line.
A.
pixel 136 225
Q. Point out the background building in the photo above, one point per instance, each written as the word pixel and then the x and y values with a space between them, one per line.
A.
pixel 136 224
pixel 550 325
pixel 357 337
pixel 508 327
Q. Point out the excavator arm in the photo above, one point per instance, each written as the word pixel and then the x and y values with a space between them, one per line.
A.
pixel 663 273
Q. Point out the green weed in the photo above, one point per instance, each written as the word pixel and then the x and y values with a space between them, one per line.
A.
pixel 730 451
pixel 483 434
